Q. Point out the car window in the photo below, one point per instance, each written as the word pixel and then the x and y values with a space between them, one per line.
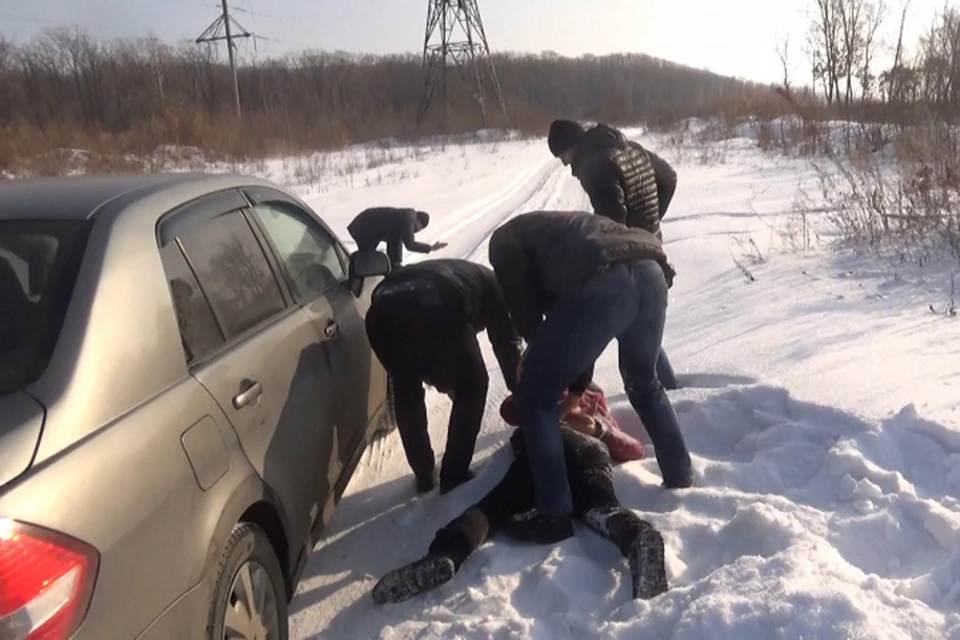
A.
pixel 308 252
pixel 233 272
pixel 39 260
pixel 199 332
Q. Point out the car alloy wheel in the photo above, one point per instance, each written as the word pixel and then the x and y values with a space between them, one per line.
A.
pixel 252 612
pixel 250 595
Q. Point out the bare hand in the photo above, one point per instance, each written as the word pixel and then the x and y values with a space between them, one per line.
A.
pixel 438 245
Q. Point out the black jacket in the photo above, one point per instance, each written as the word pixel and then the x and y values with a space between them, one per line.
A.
pixel 620 178
pixel 472 289
pixel 541 256
pixel 387 224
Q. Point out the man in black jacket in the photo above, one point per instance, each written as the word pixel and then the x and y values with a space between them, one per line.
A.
pixel 590 473
pixel 396 227
pixel 573 282
pixel 422 324
pixel 625 182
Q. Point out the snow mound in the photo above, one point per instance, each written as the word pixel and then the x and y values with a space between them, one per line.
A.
pixel 805 522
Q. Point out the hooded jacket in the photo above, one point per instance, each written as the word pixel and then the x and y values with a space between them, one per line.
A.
pixel 471 292
pixel 539 257
pixel 619 177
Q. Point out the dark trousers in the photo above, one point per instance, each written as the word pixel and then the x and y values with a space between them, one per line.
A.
pixel 665 373
pixel 421 340
pixel 394 248
pixel 594 503
pixel 666 187
pixel 628 302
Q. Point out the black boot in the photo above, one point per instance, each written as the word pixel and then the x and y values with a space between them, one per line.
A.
pixel 450 482
pixel 647 565
pixel 539 528
pixel 426 481
pixel 413 579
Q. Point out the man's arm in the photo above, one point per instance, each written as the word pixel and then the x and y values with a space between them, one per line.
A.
pixel 600 179
pixel 501 332
pixel 517 280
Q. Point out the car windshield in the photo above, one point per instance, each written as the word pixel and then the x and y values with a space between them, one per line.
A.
pixel 39 260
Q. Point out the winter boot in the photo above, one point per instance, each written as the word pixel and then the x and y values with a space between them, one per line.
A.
pixel 647 565
pixel 413 579
pixel 426 481
pixel 539 528
pixel 449 483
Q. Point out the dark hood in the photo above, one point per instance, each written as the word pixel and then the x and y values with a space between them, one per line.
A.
pixel 602 137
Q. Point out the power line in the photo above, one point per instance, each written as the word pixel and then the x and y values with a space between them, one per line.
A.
pixel 219 29
pixel 470 53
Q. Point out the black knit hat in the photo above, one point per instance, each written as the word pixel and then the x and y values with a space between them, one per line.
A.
pixel 564 135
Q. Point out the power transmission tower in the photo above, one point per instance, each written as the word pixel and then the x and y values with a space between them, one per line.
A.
pixel 462 42
pixel 219 29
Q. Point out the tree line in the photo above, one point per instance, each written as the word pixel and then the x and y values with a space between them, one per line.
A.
pixel 66 89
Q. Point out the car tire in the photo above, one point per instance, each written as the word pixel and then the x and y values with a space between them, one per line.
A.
pixel 389 420
pixel 249 562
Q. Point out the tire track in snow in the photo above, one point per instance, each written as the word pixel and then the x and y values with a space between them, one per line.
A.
pixel 545 196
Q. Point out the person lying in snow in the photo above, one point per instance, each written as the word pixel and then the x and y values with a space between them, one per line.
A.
pixel 592 417
pixel 595 503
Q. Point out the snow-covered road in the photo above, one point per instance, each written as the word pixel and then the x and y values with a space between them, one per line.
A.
pixel 821 415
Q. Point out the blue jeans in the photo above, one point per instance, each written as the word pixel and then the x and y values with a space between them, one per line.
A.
pixel 628 302
pixel 665 373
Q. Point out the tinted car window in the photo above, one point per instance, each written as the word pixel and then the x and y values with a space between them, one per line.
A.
pixel 199 332
pixel 233 272
pixel 307 250
pixel 39 261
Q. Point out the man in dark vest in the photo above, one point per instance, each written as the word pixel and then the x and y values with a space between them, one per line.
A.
pixel 625 182
pixel 423 324
pixel 395 226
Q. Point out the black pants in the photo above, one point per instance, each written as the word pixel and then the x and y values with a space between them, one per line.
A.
pixel 422 337
pixel 595 504
pixel 394 249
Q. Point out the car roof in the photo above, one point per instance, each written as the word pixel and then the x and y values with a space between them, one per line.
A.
pixel 81 197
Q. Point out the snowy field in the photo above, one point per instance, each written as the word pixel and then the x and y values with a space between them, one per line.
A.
pixel 821 414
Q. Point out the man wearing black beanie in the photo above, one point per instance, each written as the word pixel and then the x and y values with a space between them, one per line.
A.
pixel 625 182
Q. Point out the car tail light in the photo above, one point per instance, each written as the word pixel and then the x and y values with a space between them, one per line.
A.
pixel 46 580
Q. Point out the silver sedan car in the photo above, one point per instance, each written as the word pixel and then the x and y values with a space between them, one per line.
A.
pixel 186 387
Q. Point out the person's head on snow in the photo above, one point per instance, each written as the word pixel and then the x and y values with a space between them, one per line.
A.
pixel 563 138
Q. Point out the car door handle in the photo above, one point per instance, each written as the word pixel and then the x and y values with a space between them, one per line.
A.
pixel 251 392
pixel 332 330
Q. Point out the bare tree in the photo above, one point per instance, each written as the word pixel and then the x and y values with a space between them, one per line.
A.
pixel 783 53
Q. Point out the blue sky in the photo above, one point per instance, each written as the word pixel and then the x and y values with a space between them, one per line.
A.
pixel 736 37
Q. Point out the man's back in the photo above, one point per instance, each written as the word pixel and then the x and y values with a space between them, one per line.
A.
pixel 619 177
pixel 542 255
pixel 463 283
pixel 381 224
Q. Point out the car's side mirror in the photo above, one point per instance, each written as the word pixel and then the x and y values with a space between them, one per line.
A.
pixel 366 264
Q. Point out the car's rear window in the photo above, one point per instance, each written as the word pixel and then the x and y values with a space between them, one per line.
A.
pixel 39 260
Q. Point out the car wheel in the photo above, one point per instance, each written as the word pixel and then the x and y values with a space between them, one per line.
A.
pixel 389 420
pixel 249 599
